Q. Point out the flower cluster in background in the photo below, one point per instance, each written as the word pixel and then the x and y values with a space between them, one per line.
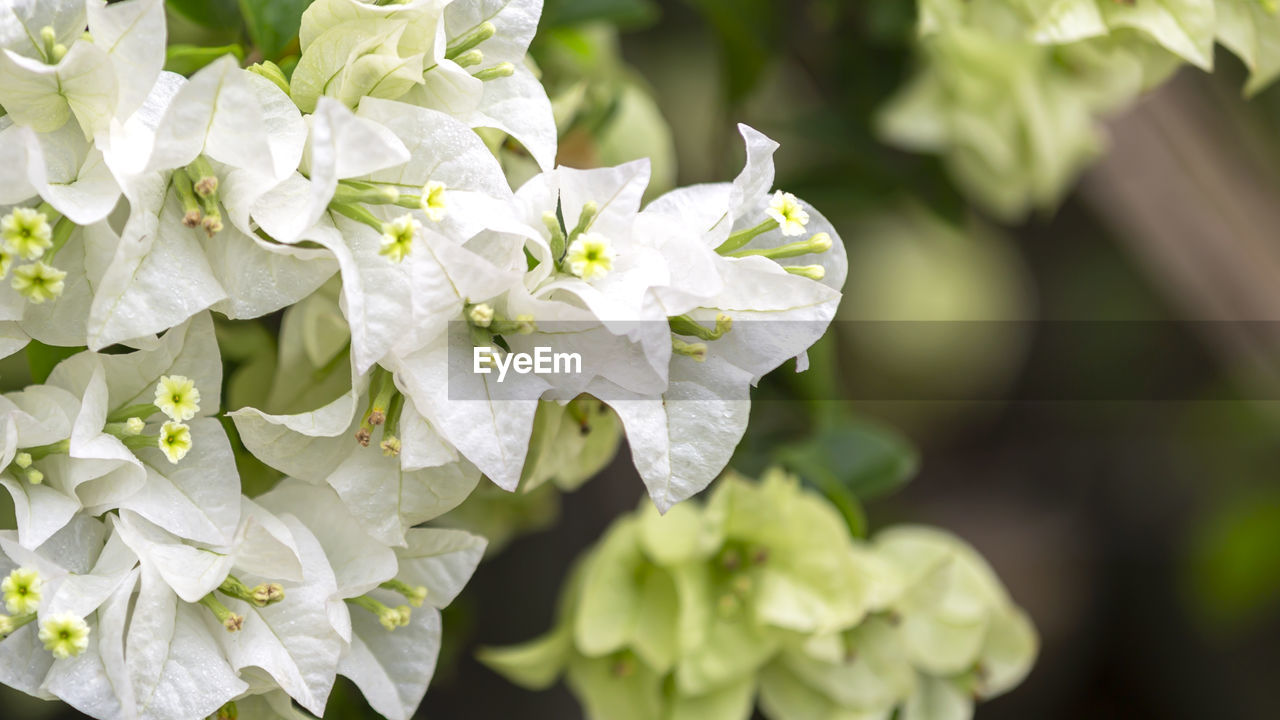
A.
pixel 762 592
pixel 1011 93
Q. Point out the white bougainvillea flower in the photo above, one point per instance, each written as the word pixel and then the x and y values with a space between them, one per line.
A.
pixel 365 170
pixel 390 658
pixel 106 464
pixel 265 598
pixel 52 71
pixel 388 487
pixel 469 58
pixel 240 134
pixel 69 646
pixel 764 313
pixel 60 168
pixel 63 319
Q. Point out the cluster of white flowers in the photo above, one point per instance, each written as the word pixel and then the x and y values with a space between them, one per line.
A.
pixel 141 582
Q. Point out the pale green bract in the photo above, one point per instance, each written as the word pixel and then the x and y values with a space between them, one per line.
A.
pixel 1012 93
pixel 762 595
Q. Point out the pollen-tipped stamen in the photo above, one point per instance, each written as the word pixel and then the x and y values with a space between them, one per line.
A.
pixel 230 620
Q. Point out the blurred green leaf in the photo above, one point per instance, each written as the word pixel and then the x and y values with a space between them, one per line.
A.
pixel 42 358
pixel 273 25
pixel 749 34
pixel 866 458
pixel 1235 570
pixel 624 13
pixel 209 13
pixel 187 59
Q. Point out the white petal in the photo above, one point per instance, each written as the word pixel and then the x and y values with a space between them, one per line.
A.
pixel 217 114
pixel 393 669
pixel 441 560
pixel 192 572
pixel 359 563
pixel 176 668
pixel 683 440
pixel 133 36
pixel 199 498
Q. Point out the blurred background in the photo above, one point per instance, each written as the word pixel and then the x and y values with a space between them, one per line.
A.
pixel 1087 394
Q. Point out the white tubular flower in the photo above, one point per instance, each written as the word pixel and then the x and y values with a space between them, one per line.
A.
pixel 38 282
pixel 591 256
pixel 175 441
pixel 791 216
pixel 397 237
pixel 178 397
pixel 26 232
pixel 22 591
pixel 433 203
pixel 65 635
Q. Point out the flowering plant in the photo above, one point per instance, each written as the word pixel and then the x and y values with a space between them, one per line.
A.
pixel 355 194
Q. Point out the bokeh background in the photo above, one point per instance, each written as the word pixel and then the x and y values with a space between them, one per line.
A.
pixel 1089 396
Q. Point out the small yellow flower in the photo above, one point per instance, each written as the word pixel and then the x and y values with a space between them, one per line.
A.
pixel 22 591
pixel 6 263
pixel 175 441
pixel 26 232
pixel 38 282
pixel 433 203
pixel 791 216
pixel 178 397
pixel 397 237
pixel 591 256
pixel 65 635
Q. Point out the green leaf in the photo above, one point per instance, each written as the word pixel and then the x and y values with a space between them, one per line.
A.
pixel 1235 562
pixel 188 59
pixel 273 25
pixel 750 36
pixel 218 14
pixel 623 13
pixel 854 456
pixel 42 359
